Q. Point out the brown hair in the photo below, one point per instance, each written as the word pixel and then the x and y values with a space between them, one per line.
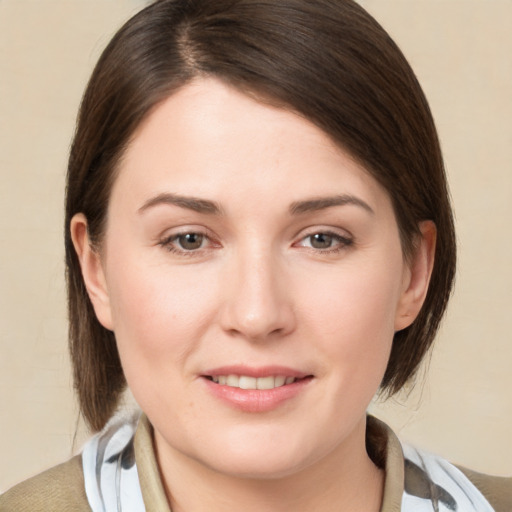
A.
pixel 328 60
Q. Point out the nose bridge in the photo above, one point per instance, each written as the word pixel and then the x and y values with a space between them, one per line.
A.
pixel 258 304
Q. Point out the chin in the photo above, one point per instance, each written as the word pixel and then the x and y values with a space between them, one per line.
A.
pixel 252 458
pixel 258 467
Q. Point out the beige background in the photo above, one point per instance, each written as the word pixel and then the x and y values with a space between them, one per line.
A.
pixel 461 51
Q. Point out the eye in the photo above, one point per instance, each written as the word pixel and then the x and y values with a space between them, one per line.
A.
pixel 187 243
pixel 190 241
pixel 321 241
pixel 325 241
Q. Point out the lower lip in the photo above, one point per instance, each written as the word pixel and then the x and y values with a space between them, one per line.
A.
pixel 257 400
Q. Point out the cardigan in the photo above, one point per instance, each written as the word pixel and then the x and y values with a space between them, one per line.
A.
pixel 62 489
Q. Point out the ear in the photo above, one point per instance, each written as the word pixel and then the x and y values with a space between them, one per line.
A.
pixel 92 270
pixel 417 276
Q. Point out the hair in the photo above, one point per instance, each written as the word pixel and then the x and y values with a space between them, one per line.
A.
pixel 327 60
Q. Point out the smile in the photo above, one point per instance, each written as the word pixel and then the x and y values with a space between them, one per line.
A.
pixel 247 382
pixel 256 389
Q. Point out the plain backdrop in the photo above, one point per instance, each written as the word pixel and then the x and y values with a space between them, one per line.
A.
pixel 461 51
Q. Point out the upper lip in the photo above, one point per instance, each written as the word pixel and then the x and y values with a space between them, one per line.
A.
pixel 256 372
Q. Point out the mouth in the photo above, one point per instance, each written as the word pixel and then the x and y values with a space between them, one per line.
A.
pixel 254 383
pixel 256 390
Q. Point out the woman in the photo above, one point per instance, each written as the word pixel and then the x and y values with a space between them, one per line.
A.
pixel 258 238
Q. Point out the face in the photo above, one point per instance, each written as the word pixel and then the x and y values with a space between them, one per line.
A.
pixel 253 275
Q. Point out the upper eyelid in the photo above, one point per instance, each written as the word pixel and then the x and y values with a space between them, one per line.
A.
pixel 184 230
pixel 330 230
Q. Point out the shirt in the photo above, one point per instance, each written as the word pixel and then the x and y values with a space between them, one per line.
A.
pixel 63 487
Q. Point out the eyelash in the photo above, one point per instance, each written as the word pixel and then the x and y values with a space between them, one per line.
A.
pixel 167 243
pixel 343 242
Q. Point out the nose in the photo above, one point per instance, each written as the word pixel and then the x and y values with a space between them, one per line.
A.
pixel 258 303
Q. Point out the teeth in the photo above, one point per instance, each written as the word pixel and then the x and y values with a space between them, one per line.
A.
pixel 266 383
pixel 279 381
pixel 233 381
pixel 246 382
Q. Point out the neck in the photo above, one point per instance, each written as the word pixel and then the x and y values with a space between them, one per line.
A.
pixel 344 480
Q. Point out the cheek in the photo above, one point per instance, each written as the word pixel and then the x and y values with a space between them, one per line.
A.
pixel 159 322
pixel 351 314
pixel 159 314
pixel 356 301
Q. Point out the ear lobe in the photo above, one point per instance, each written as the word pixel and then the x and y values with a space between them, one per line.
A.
pixel 417 277
pixel 92 270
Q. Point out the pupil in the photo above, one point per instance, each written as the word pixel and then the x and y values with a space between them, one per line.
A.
pixel 321 241
pixel 191 241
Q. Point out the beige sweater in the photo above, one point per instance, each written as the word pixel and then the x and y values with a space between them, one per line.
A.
pixel 61 489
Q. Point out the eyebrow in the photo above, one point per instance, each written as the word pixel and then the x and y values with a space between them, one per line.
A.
pixel 321 203
pixel 190 203
pixel 212 208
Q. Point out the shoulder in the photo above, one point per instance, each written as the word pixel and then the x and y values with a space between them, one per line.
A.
pixel 497 490
pixel 58 489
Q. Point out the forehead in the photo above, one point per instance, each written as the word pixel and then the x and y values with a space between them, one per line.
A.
pixel 212 139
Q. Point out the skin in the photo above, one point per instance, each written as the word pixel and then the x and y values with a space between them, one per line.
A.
pixel 260 289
